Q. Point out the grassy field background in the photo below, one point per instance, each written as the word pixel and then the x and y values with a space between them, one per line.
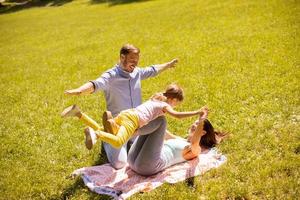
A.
pixel 239 57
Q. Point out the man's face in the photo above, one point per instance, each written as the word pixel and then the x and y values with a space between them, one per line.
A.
pixel 130 61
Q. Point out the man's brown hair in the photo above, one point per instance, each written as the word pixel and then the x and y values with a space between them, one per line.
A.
pixel 128 48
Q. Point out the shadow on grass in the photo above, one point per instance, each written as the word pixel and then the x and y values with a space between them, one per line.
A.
pixel 116 2
pixel 18 6
pixel 190 182
pixel 76 186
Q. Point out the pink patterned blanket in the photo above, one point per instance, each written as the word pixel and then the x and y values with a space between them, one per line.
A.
pixel 123 183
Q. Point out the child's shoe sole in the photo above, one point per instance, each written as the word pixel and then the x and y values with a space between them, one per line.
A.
pixel 70 111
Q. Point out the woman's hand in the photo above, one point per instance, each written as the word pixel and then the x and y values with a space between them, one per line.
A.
pixel 203 113
pixel 202 117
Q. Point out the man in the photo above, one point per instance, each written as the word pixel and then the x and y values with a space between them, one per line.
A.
pixel 122 88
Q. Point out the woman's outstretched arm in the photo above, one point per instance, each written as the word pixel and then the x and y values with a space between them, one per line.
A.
pixel 193 150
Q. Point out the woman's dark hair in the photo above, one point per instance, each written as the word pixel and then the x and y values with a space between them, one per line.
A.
pixel 128 48
pixel 174 91
pixel 210 138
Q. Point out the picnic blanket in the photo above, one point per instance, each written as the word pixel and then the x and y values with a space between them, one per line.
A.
pixel 123 183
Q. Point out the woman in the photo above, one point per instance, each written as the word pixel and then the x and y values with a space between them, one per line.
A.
pixel 150 154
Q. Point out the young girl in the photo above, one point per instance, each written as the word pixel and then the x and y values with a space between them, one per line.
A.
pixel 123 126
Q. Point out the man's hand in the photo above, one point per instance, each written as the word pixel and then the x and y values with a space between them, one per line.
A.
pixel 172 63
pixel 162 67
pixel 73 92
pixel 87 88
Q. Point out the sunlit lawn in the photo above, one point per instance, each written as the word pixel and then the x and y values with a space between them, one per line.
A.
pixel 241 58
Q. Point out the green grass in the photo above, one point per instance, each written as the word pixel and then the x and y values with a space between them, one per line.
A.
pixel 241 58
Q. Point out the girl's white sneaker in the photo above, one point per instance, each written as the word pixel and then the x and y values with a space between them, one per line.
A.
pixel 70 111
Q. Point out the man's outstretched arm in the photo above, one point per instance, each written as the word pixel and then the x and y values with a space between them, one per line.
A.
pixel 164 66
pixel 91 86
pixel 86 88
